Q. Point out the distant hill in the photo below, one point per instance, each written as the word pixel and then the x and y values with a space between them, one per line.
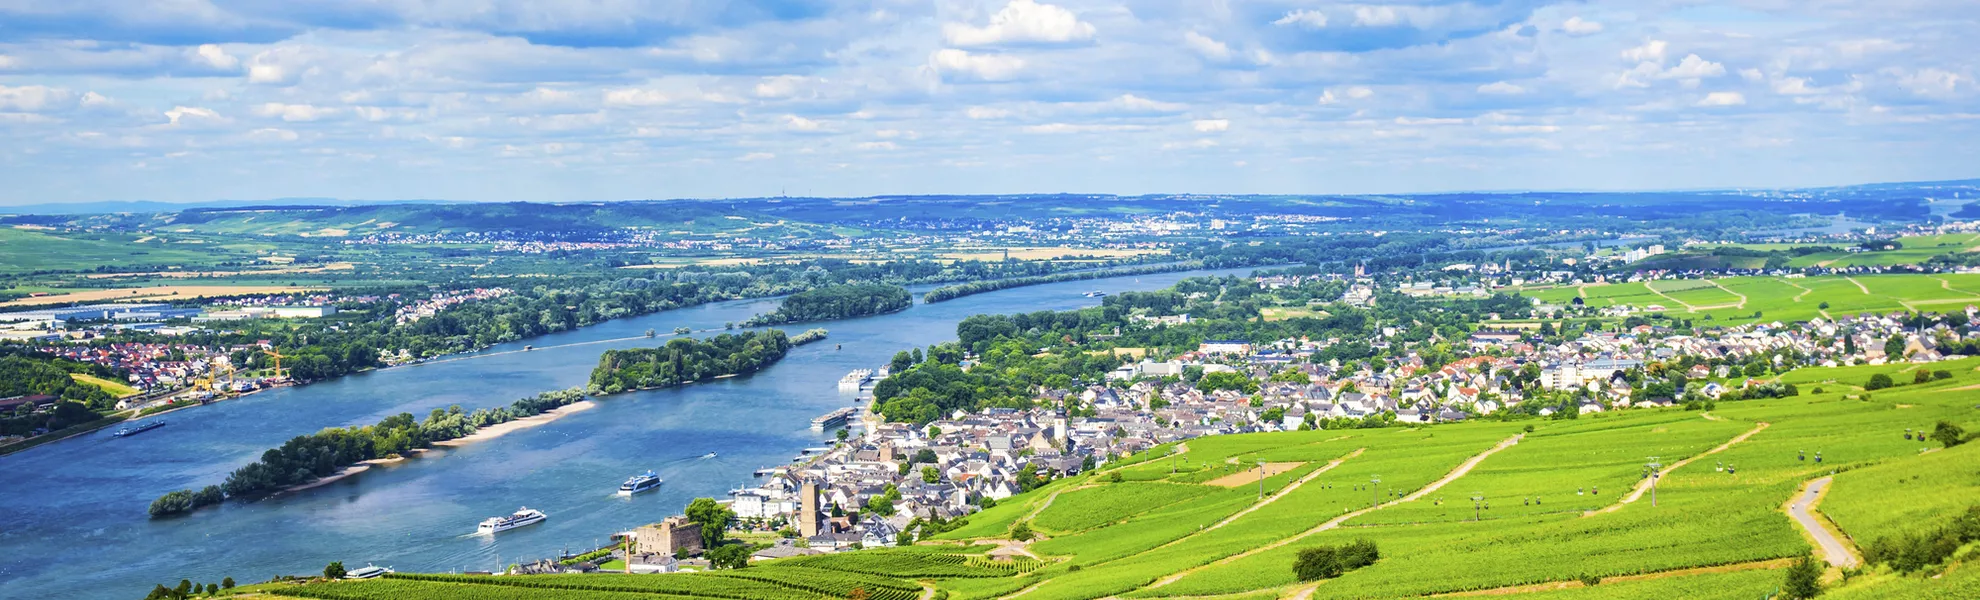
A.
pixel 1740 210
pixel 151 206
pixel 334 221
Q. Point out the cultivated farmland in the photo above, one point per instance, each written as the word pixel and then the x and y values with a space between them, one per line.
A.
pixel 1556 509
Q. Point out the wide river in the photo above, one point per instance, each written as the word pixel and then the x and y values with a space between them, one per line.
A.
pixel 72 513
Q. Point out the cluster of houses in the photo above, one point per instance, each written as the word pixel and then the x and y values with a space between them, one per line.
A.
pixel 148 365
pixel 443 300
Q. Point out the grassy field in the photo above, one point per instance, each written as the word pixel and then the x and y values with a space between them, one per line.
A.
pixel 1550 509
pixel 30 250
pixel 116 388
pixel 1736 300
pixel 1917 249
pixel 156 292
pixel 1281 313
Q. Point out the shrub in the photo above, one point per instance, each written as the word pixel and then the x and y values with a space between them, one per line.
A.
pixel 1878 382
pixel 1590 580
pixel 334 570
pixel 1320 562
pixel 1920 376
pixel 1804 580
pixel 1949 434
pixel 1327 562
pixel 1359 554
pixel 1942 374
pixel 1021 531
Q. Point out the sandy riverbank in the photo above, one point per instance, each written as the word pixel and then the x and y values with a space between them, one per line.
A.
pixel 485 433
pixel 349 471
pixel 501 429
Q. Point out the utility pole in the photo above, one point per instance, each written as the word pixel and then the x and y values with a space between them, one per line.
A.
pixel 1477 504
pixel 1374 497
pixel 1261 479
pixel 1654 468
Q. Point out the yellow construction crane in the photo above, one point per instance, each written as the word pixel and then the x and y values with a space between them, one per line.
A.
pixel 212 376
pixel 278 362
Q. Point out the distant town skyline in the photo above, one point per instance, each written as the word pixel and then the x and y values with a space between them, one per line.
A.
pixel 506 100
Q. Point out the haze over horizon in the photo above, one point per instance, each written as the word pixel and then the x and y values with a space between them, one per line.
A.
pixel 504 100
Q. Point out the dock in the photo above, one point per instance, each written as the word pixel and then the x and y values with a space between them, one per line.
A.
pixel 832 419
pixel 854 380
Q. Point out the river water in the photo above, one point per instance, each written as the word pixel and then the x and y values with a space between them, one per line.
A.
pixel 72 513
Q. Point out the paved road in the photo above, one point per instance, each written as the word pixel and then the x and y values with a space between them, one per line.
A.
pixel 1833 549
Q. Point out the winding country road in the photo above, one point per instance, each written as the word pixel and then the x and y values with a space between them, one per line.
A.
pixel 1800 509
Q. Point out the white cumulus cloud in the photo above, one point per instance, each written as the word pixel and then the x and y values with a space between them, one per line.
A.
pixel 293 112
pixel 1202 143
pixel 1722 99
pixel 1693 67
pixel 781 86
pixel 1207 47
pixel 1501 88
pixel 984 112
pixel 1580 26
pixel 33 98
pixel 1352 93
pixel 1211 125
pixel 1391 16
pixel 756 156
pixel 180 115
pixel 214 56
pixel 1307 18
pixel 635 97
pixel 1021 22
pixel 1133 103
pixel 1931 82
pixel 272 134
pixel 1651 51
pixel 988 67
pixel 797 123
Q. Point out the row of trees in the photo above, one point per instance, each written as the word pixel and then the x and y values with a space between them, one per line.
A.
pixel 685 360
pixel 837 302
pixel 306 458
pixel 951 292
pixel 1909 552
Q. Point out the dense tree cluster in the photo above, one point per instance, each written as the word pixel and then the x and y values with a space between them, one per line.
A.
pixel 837 302
pixel 685 360
pixel 951 292
pixel 306 458
pixel 27 374
pixel 808 336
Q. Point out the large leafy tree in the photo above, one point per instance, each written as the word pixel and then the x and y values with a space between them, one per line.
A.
pixel 714 520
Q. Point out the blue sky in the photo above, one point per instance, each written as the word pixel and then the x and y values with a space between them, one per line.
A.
pixel 569 100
